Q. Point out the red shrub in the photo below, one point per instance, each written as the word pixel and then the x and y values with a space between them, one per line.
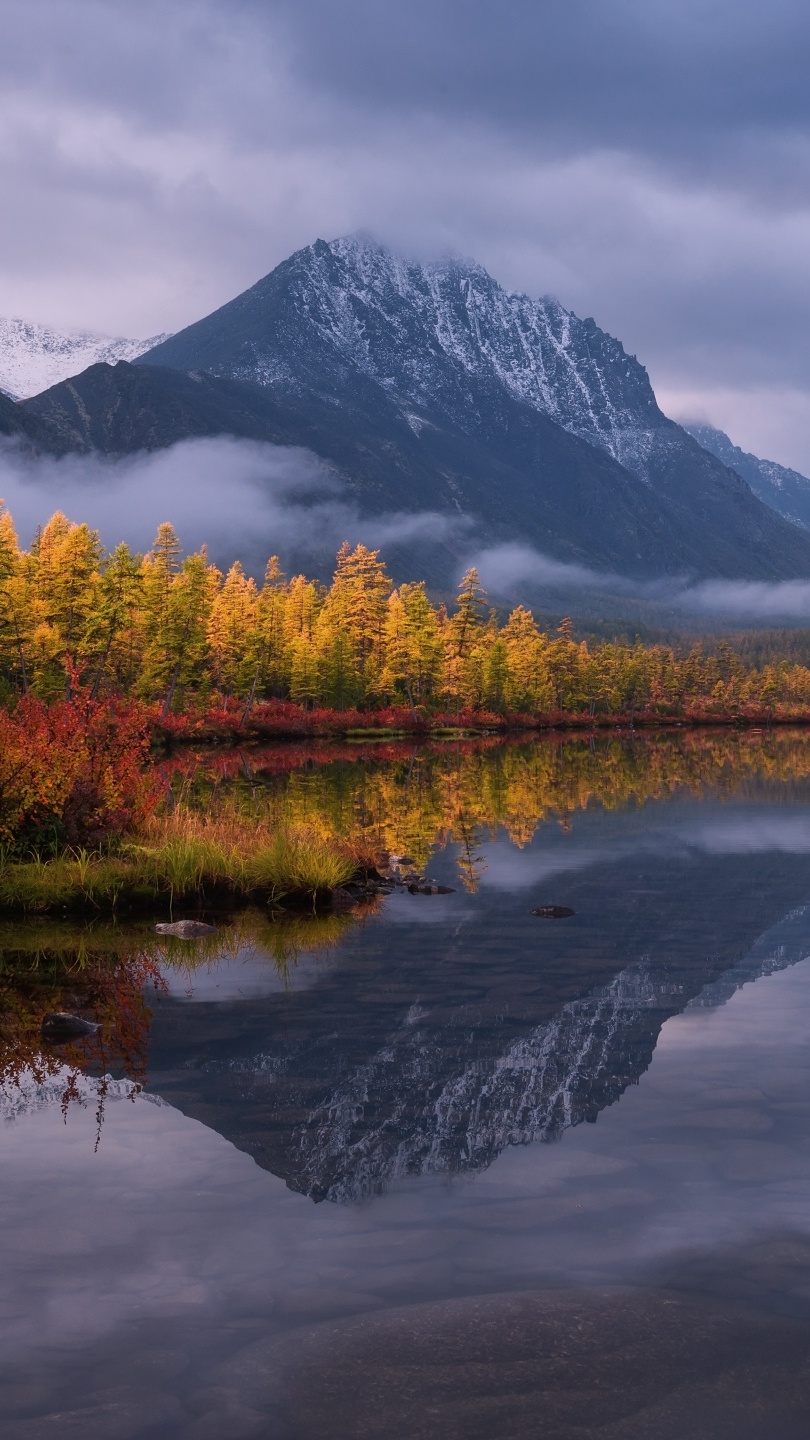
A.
pixel 73 772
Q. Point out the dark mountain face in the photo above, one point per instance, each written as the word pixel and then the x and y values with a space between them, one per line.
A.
pixel 523 477
pixel 429 388
pixel 27 431
pixel 783 489
pixel 443 350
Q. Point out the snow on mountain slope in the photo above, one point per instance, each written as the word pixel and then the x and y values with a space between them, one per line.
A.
pixel 487 383
pixel 28 1093
pixel 33 357
pixel 418 1107
pixel 543 354
pixel 424 332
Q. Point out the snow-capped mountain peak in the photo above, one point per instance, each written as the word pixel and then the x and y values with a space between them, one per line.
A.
pixel 429 333
pixel 34 357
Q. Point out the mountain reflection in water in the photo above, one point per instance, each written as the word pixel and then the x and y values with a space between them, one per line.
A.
pixel 647 1275
pixel 449 1028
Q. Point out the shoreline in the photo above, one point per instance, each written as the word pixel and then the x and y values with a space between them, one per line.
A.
pixel 197 858
pixel 217 735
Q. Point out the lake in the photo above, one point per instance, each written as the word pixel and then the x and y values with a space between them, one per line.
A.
pixel 434 1168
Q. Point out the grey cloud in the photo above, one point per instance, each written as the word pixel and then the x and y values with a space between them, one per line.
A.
pixel 789 599
pixel 647 162
pixel 640 74
pixel 515 572
pixel 748 833
pixel 753 835
pixel 712 88
pixel 241 498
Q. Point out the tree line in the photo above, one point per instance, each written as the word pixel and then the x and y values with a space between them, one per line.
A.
pixel 173 629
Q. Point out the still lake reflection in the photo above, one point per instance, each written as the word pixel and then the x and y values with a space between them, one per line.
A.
pixel 448 1169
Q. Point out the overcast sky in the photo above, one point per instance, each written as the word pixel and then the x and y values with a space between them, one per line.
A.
pixel 646 161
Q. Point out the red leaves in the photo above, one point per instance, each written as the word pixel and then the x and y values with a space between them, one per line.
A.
pixel 283 719
pixel 73 772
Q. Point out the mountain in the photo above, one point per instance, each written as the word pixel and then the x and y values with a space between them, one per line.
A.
pixel 785 490
pixel 33 357
pixel 429 1053
pixel 535 481
pixel 443 348
pixel 430 388
pixel 27 430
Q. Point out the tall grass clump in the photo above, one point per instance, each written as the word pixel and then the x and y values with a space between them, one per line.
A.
pixel 185 853
pixel 65 882
pixel 182 856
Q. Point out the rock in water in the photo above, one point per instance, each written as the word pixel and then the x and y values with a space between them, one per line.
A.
pixel 553 912
pixel 186 929
pixel 431 890
pixel 59 1027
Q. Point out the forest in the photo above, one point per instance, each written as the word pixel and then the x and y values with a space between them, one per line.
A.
pixel 175 633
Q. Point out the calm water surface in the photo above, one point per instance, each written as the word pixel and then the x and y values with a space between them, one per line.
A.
pixel 448 1169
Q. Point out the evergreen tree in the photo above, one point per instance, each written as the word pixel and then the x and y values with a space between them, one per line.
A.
pixel 233 633
pixel 114 633
pixel 351 625
pixel 15 608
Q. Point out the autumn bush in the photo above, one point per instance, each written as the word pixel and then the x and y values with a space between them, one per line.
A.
pixel 72 773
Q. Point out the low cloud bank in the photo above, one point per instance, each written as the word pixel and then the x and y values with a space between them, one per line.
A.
pixel 515 571
pixel 246 500
pixel 242 498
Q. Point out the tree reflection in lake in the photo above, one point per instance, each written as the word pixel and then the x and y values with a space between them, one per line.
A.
pixel 442 1036
pixel 407 798
pixel 465 1048
pixel 108 975
pixel 648 1274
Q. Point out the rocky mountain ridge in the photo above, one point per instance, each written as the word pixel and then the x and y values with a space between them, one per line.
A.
pixel 422 332
pixel 443 347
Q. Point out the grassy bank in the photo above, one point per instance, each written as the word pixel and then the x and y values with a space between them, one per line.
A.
pixel 183 858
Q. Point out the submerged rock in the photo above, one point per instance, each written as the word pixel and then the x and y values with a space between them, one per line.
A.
pixel 186 929
pixel 553 912
pixel 59 1027
pixel 431 890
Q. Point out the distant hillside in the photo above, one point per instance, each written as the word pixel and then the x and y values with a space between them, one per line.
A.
pixel 785 490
